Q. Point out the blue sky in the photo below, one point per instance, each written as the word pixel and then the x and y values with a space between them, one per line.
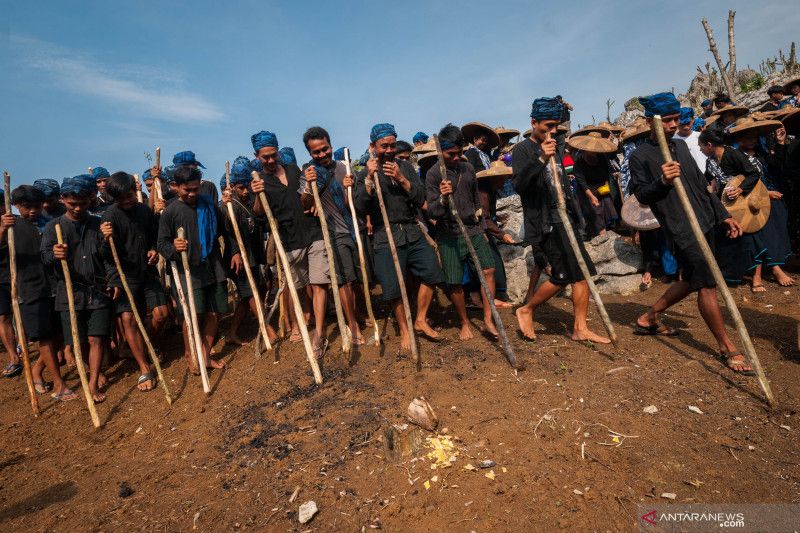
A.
pixel 100 83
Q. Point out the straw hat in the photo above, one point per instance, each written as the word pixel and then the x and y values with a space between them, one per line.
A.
pixel 497 168
pixel 760 127
pixel 505 134
pixel 426 155
pixel 592 142
pixel 787 88
pixel 639 128
pixel 739 110
pixel 562 128
pixel 429 146
pixel 751 211
pixel 791 121
pixel 638 216
pixel 473 129
pixel 593 128
pixel 710 120
pixel 612 127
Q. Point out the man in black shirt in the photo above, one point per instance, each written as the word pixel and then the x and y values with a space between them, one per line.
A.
pixel 533 181
pixel 34 295
pixel 135 229
pixel 652 184
pixel 403 196
pixel 775 94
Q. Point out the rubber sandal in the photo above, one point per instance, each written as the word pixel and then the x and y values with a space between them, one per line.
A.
pixel 42 387
pixel 65 395
pixel 147 377
pixel 12 370
pixel 655 329
pixel 725 359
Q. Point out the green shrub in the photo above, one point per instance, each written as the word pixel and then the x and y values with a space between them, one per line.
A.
pixel 754 84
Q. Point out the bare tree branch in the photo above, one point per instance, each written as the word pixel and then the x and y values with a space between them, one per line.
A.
pixel 731 46
pixel 713 47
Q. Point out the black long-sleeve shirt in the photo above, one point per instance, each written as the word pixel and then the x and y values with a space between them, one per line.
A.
pixel 86 255
pixel 204 272
pixel 135 234
pixel 465 196
pixel 649 189
pixel 539 204
pixel 251 228
pixel 32 278
pixel 401 206
pixel 296 228
pixel 735 163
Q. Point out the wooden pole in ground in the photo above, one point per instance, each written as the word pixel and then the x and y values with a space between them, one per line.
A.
pixel 139 197
pixel 576 250
pixel 501 330
pixel 344 330
pixel 21 337
pixel 361 254
pixel 138 319
pixel 76 340
pixel 262 326
pixel 398 271
pixel 298 310
pixel 282 311
pixel 193 322
pixel 730 303
pixel 176 279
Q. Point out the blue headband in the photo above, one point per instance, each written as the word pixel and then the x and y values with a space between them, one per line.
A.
pixel 687 114
pixel 262 139
pixel 286 156
pixel 379 131
pixel 82 185
pixel 547 109
pixel 146 175
pixel 48 187
pixel 186 158
pixel 663 104
pixel 445 145
pixel 698 124
pixel 169 174
pixel 338 155
pixel 420 137
pixel 705 103
pixel 99 173
pixel 240 171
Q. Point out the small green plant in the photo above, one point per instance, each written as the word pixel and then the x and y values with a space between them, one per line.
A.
pixel 753 84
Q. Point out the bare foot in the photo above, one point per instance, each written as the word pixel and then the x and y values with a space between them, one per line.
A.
pixel 525 320
pixel 405 343
pixel 98 397
pixel 588 335
pixel 489 329
pixel 782 278
pixel 500 304
pixel 466 333
pixel 422 326
pixel 215 364
pixel 102 382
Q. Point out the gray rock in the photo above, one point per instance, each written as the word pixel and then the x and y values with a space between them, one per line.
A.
pixel 307 511
pixel 613 255
pixel 622 285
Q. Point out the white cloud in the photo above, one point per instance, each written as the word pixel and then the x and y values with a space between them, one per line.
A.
pixel 81 74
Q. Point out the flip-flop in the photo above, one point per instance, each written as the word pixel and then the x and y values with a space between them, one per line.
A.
pixel 725 359
pixel 42 387
pixel 65 395
pixel 319 351
pixel 12 370
pixel 147 377
pixel 655 329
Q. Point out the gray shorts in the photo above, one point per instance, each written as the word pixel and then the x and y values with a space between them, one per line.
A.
pixel 309 265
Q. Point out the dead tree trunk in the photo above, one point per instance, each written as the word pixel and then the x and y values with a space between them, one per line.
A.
pixel 731 47
pixel 609 103
pixel 712 44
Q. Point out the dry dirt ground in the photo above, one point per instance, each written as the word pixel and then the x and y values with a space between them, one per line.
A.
pixel 233 460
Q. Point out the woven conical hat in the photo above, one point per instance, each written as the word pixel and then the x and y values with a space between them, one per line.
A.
pixel 592 142
pixel 761 127
pixel 787 88
pixel 505 134
pixel 596 128
pixel 497 168
pixel 740 110
pixel 751 211
pixel 637 129
pixel 613 127
pixel 473 129
pixel 429 146
pixel 791 121
pixel 638 216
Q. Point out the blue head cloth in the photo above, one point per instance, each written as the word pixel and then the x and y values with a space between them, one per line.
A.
pixel 364 158
pixel 146 175
pixel 82 185
pixel 240 171
pixel 547 109
pixel 705 103
pixel 223 182
pixel 698 124
pixel 687 114
pixel 420 137
pixel 663 104
pixel 100 173
pixel 169 173
pixel 186 158
pixel 287 156
pixel 379 131
pixel 338 155
pixel 48 187
pixel 262 139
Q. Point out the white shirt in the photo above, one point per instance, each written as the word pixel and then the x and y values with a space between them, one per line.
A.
pixel 693 141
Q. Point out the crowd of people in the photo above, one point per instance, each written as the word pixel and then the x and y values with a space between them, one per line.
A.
pixel 726 157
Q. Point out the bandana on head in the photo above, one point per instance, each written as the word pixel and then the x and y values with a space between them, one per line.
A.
pixel 687 114
pixel 169 174
pixel 663 104
pixel 547 109
pixel 698 124
pixel 705 103
pixel 420 137
pixel 286 156
pixel 82 185
pixel 262 139
pixel 240 171
pixel 338 155
pixel 100 173
pixel 146 175
pixel 379 131
pixel 48 187
pixel 186 158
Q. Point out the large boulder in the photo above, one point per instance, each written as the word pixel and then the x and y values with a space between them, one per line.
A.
pixel 518 260
pixel 613 255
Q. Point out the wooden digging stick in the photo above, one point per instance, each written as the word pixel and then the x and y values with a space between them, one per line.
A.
pixel 361 255
pixel 139 197
pixel 576 250
pixel 398 271
pixel 501 330
pixel 156 182
pixel 298 309
pixel 282 311
pixel 76 340
pixel 21 337
pixel 138 319
pixel 176 279
pixel 344 330
pixel 262 325
pixel 193 323
pixel 730 303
